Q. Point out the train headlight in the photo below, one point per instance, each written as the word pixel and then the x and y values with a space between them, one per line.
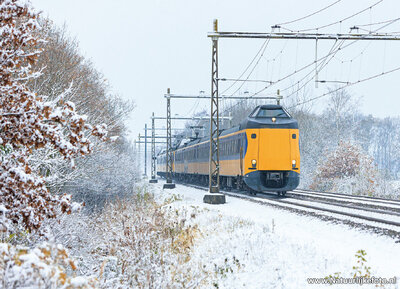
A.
pixel 254 163
pixel 273 119
pixel 293 163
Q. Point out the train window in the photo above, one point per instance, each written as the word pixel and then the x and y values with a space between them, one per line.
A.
pixel 294 136
pixel 253 135
pixel 264 112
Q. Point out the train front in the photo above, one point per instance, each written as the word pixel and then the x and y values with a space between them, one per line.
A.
pixel 272 156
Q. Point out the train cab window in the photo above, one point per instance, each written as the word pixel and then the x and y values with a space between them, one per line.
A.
pixel 253 135
pixel 276 112
pixel 294 136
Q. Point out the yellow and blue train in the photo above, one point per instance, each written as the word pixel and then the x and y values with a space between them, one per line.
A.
pixel 260 155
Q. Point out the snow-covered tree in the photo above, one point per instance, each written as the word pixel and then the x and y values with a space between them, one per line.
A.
pixel 348 170
pixel 342 110
pixel 29 122
pixel 64 71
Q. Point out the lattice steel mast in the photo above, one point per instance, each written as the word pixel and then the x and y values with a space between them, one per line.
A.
pixel 153 151
pixel 214 197
pixel 145 150
pixel 169 184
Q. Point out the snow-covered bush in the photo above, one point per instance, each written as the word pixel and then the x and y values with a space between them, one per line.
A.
pixel 105 175
pixel 46 266
pixel 347 170
pixel 29 122
pixel 133 242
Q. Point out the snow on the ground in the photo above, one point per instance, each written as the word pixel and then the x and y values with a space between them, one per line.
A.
pixel 249 245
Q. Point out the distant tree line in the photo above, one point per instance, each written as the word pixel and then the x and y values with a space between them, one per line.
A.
pixel 340 128
pixel 112 168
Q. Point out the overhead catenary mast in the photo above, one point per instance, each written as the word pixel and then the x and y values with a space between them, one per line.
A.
pixel 153 152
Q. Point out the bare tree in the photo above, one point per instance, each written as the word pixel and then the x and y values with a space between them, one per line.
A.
pixel 343 107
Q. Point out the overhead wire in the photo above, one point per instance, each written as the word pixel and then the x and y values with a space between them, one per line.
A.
pixel 278 54
pixel 263 47
pixel 355 57
pixel 337 22
pixel 297 71
pixel 254 67
pixel 353 83
pixel 281 50
pixel 375 23
pixel 322 58
pixel 248 66
pixel 309 15
pixel 319 68
pixel 193 108
pixel 347 85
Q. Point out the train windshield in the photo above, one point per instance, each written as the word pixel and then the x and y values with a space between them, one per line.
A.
pixel 268 112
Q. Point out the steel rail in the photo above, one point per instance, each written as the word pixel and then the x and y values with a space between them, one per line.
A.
pixel 361 208
pixel 348 197
pixel 342 194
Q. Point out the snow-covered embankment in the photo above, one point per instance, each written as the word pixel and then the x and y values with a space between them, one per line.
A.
pixel 249 245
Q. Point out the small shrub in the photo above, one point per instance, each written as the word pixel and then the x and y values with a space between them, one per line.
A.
pixel 45 266
pixel 361 269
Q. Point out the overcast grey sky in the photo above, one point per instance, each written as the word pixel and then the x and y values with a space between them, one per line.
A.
pixel 144 47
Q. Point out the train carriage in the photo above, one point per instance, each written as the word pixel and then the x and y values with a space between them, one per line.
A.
pixel 261 154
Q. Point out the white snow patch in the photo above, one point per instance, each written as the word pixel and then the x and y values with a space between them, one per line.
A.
pixel 259 246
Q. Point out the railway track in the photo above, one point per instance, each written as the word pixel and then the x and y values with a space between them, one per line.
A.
pixel 360 200
pixel 382 216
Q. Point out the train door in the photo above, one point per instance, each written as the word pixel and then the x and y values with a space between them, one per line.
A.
pixel 173 162
pixel 241 160
pixel 185 161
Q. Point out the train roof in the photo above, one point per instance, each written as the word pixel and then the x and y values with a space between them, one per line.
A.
pixel 252 121
pixel 269 116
